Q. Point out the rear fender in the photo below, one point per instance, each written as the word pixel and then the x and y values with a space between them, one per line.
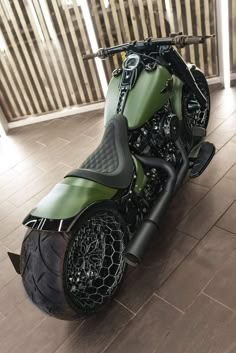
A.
pixel 62 206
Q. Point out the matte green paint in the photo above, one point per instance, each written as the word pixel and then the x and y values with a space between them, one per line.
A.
pixel 70 196
pixel 176 96
pixel 143 100
pixel 112 98
pixel 140 176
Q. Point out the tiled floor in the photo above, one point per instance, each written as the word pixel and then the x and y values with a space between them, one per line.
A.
pixel 181 300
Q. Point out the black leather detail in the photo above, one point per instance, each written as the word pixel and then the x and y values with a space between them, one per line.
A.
pixel 111 163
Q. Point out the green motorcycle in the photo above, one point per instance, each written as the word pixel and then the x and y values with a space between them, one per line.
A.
pixel 105 214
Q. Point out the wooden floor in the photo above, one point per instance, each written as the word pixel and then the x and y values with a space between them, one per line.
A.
pixel 183 298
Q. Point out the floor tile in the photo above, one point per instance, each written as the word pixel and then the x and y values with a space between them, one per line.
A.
pixel 15 219
pixel 232 172
pixel 142 334
pixel 6 208
pixel 194 273
pixel 33 188
pixel 225 340
pixel 228 220
pixel 54 148
pixel 219 166
pixel 223 285
pixel 7 272
pixel 47 336
pixel 159 263
pixel 224 132
pixel 18 325
pixel 14 239
pixel 94 335
pixel 198 329
pixel 207 212
pixel 11 295
pixel 3 252
pixel 24 178
pixel 182 203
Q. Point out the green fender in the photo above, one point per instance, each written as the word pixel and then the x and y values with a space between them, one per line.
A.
pixel 70 196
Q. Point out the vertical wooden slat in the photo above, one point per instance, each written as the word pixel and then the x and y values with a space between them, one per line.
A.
pixel 134 20
pixel 30 66
pixel 208 44
pixel 47 90
pixel 22 65
pixel 14 67
pixel 108 29
pixel 5 103
pixel 84 37
pixel 125 21
pixel 68 51
pixel 179 23
pixel 170 15
pixel 116 21
pixel 61 88
pixel 11 91
pixel 199 32
pixel 190 28
pixel 161 18
pixel 78 54
pixel 152 19
pixel 45 59
pixel 100 34
pixel 143 19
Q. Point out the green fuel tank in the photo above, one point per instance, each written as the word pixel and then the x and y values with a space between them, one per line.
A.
pixel 148 95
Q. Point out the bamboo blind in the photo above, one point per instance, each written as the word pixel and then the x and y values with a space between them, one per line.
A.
pixel 43 70
pixel 126 20
pixel 232 26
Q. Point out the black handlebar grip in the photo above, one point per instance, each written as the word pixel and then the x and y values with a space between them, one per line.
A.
pixel 89 56
pixel 194 40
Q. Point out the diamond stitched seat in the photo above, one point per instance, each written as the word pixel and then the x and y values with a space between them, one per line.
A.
pixel 111 163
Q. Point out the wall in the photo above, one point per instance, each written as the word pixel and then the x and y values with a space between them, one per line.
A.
pixel 232 32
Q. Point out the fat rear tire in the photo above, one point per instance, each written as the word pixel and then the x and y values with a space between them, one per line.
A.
pixel 44 257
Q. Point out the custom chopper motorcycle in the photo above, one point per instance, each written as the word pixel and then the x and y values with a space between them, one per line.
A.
pixel 106 213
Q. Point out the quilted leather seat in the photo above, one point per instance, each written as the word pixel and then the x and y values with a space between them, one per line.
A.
pixel 111 163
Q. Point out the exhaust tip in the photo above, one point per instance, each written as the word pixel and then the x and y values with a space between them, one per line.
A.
pixel 132 260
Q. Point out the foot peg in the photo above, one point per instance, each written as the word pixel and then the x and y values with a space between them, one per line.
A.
pixel 198 132
pixel 205 155
pixel 15 260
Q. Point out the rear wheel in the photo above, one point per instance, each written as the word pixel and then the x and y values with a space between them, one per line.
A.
pixel 70 276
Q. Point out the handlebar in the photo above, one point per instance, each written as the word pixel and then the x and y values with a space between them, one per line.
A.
pixel 178 39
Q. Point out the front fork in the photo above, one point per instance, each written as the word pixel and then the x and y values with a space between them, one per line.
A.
pixel 182 71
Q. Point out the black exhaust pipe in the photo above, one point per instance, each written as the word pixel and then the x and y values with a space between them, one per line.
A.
pixel 149 229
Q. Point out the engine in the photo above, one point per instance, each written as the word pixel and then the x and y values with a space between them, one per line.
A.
pixel 156 137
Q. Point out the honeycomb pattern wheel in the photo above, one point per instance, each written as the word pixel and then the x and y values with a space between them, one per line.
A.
pixel 94 265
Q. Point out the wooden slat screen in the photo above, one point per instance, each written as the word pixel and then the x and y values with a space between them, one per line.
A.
pixel 232 31
pixel 42 43
pixel 126 20
pixel 42 76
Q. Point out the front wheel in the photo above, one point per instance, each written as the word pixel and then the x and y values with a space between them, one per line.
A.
pixel 73 275
pixel 192 114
